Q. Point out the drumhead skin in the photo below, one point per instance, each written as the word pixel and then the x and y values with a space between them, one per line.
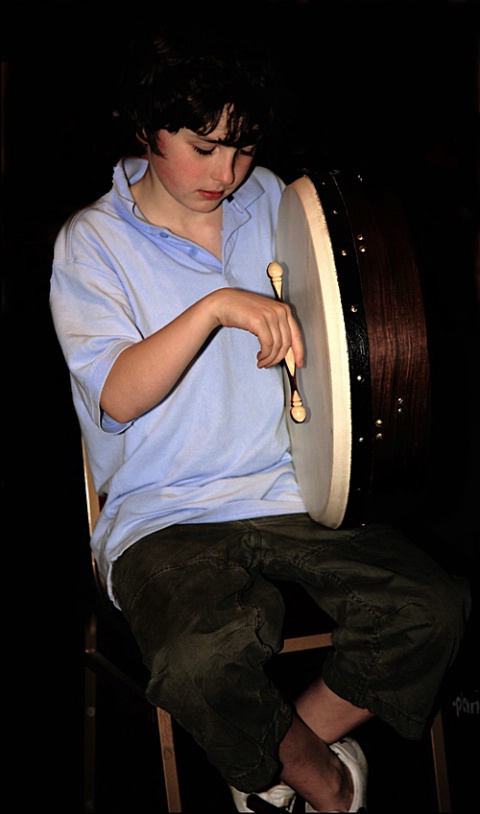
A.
pixel 321 445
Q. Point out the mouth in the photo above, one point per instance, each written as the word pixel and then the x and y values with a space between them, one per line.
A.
pixel 209 195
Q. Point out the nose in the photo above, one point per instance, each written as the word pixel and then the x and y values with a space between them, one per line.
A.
pixel 223 170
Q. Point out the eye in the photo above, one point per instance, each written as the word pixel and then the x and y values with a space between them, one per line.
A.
pixel 203 152
pixel 249 152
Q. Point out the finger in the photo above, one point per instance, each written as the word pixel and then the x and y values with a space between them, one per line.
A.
pixel 297 345
pixel 275 341
pixel 290 339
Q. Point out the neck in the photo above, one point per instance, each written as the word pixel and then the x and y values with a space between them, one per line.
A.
pixel 159 209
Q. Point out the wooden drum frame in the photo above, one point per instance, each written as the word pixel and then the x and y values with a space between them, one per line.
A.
pixel 350 275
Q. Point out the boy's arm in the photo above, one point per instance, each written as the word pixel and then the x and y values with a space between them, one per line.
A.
pixel 145 372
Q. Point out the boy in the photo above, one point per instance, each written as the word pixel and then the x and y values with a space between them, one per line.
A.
pixel 173 338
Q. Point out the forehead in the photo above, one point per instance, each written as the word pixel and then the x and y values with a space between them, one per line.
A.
pixel 220 133
pixel 229 131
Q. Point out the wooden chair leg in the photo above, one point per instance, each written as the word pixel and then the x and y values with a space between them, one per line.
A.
pixel 89 740
pixel 90 700
pixel 440 764
pixel 170 772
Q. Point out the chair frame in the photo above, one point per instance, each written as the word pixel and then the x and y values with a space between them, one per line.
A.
pixel 96 664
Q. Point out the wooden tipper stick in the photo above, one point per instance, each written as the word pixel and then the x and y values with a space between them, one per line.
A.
pixel 297 411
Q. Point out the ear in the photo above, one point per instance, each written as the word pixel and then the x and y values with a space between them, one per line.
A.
pixel 142 139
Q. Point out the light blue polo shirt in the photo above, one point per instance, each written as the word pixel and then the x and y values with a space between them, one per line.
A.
pixel 217 447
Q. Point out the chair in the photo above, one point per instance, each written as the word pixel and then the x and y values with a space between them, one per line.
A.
pixel 316 633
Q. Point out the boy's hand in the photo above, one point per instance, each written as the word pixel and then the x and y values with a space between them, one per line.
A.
pixel 268 319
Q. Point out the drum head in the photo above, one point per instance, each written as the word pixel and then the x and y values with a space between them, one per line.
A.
pixel 321 446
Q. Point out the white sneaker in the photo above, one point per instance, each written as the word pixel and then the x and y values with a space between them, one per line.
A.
pixel 351 755
pixel 281 796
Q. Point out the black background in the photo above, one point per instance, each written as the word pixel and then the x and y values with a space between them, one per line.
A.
pixel 383 87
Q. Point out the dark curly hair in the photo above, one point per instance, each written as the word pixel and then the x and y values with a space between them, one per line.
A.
pixel 186 76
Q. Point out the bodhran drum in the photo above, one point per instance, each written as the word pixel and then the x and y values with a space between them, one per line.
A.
pixel 350 275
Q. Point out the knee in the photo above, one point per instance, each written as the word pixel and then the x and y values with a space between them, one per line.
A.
pixel 442 612
pixel 211 668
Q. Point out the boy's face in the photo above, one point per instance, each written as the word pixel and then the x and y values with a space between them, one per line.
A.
pixel 198 171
